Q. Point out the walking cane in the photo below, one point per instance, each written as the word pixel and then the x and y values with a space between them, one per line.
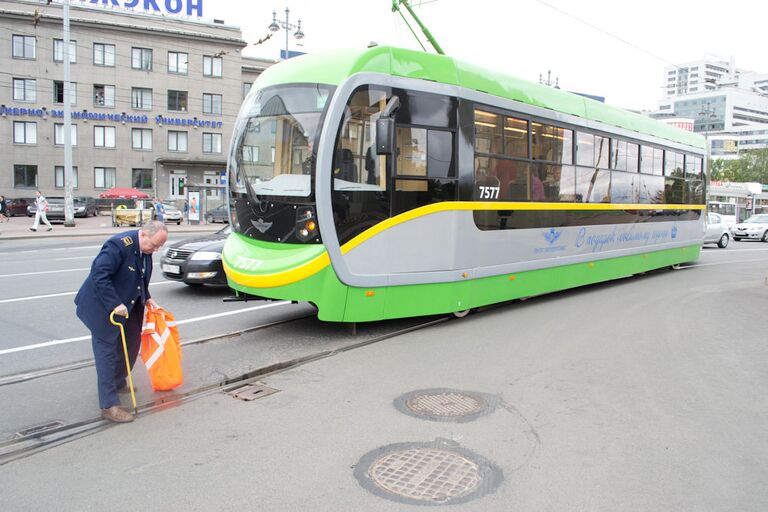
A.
pixel 127 364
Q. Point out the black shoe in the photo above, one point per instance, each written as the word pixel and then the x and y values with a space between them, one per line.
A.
pixel 33 229
pixel 49 229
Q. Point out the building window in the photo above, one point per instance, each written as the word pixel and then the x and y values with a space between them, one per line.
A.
pixel 141 58
pixel 142 178
pixel 24 47
pixel 177 101
pixel 104 136
pixel 58 176
pixel 104 95
pixel 178 63
pixel 246 88
pixel 25 176
pixel 251 154
pixel 58 134
pixel 211 143
pixel 103 177
pixel 103 54
pixel 177 141
pixel 24 89
pixel 141 138
pixel 58 50
pixel 24 132
pixel 58 92
pixel 141 98
pixel 211 103
pixel 212 66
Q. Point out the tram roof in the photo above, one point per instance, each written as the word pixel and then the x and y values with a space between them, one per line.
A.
pixel 334 67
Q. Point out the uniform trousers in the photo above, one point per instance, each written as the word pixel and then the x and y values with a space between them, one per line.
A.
pixel 110 359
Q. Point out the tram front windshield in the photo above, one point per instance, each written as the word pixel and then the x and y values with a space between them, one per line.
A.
pixel 277 129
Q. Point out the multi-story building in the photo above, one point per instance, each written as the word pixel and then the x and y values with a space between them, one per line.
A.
pixel 155 98
pixel 727 104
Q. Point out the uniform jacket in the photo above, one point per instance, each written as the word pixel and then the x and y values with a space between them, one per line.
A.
pixel 116 278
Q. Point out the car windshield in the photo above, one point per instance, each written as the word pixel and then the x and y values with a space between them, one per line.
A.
pixel 757 219
pixel 276 129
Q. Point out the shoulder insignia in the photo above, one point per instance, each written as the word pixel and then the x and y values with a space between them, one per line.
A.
pixel 127 240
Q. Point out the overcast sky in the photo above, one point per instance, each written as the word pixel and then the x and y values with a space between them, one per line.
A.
pixel 527 37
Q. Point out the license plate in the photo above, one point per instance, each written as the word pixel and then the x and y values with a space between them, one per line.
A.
pixel 172 269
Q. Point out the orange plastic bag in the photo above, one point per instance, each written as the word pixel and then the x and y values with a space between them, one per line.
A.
pixel 161 350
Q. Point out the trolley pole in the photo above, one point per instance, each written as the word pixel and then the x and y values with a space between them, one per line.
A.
pixel 69 207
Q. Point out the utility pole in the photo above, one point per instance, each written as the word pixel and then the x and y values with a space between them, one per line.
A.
pixel 69 207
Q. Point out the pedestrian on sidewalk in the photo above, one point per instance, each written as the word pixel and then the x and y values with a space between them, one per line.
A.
pixel 119 283
pixel 41 203
pixel 159 210
pixel 3 209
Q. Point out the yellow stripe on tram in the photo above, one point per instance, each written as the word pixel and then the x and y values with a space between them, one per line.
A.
pixel 320 262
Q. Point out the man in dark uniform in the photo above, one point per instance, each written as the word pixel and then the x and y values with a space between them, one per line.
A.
pixel 119 283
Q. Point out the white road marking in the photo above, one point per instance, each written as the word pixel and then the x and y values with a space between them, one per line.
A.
pixel 726 262
pixel 64 294
pixel 57 249
pixel 180 322
pixel 73 258
pixel 46 272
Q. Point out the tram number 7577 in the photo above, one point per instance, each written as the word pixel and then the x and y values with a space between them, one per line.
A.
pixel 489 192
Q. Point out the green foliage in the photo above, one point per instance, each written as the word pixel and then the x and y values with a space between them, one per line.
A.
pixel 751 166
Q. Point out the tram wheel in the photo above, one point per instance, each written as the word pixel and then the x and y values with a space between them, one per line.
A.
pixel 460 314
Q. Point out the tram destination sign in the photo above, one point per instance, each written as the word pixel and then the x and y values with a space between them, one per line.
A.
pixel 183 7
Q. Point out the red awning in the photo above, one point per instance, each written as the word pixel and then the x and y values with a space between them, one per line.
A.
pixel 124 193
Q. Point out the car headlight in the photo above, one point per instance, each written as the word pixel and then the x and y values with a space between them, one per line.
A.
pixel 206 256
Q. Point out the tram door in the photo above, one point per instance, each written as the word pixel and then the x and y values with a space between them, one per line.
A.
pixel 423 170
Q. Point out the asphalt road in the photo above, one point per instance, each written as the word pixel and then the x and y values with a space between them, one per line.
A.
pixel 643 394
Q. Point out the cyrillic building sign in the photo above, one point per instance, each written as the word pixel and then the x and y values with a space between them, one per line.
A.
pixel 188 7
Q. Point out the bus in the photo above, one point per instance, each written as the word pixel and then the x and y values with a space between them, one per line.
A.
pixel 385 183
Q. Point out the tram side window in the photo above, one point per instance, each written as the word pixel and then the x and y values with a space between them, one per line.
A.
pixel 552 183
pixel 592 150
pixel 500 135
pixel 673 164
pixel 692 167
pixel 625 187
pixel 624 156
pixel 501 179
pixel 652 160
pixel 651 189
pixel 551 143
pixel 695 192
pixel 674 190
pixel 592 185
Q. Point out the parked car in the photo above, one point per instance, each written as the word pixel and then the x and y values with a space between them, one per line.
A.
pixel 85 206
pixel 196 261
pixel 18 206
pixel 218 214
pixel 55 208
pixel 172 214
pixel 717 231
pixel 754 228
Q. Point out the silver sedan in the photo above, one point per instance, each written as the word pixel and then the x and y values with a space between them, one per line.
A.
pixel 717 231
pixel 755 228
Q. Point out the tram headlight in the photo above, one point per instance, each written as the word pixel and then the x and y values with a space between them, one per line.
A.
pixel 306 225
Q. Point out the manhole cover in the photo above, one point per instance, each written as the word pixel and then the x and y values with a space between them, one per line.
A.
pixel 427 474
pixel 446 404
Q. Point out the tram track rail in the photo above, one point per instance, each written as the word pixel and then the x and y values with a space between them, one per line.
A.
pixel 28 444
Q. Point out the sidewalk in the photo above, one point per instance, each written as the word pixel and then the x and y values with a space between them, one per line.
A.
pixel 17 228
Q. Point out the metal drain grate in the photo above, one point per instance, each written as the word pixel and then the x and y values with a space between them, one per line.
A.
pixel 253 392
pixel 426 474
pixel 39 429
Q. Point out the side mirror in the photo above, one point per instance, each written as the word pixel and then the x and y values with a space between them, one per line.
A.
pixel 385 136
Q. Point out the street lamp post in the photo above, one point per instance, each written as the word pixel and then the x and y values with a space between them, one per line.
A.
pixel 285 24
pixel 707 114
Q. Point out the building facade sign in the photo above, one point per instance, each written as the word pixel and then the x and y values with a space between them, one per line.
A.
pixel 103 116
pixel 188 7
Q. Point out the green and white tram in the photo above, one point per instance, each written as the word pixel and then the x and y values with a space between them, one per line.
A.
pixel 389 183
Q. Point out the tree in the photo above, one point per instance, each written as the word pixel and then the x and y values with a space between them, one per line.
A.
pixel 751 166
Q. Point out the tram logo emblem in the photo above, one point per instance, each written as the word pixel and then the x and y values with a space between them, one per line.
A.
pixel 674 232
pixel 552 235
pixel 261 225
